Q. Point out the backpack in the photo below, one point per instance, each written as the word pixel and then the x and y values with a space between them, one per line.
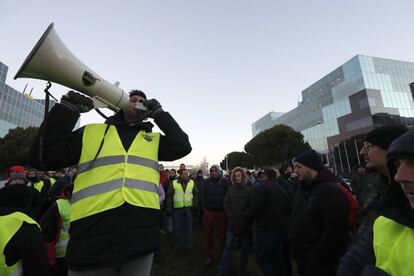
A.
pixel 353 206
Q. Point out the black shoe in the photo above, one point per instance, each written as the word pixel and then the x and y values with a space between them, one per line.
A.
pixel 209 261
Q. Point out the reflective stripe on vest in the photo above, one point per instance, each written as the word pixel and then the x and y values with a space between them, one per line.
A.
pixel 64 212
pixel 10 224
pixel 38 185
pixel 393 247
pixel 115 176
pixel 181 198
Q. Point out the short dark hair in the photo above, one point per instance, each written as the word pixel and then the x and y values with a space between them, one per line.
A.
pixel 270 173
pixel 136 92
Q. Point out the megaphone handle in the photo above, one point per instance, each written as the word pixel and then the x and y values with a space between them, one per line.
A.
pixel 48 85
pixel 47 99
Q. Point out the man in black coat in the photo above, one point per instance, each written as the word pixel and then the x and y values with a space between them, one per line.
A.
pixel 212 194
pixel 124 237
pixel 319 230
pixel 270 210
pixel 386 248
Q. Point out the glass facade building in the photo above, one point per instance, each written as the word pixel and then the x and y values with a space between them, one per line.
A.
pixel 363 93
pixel 17 109
pixel 266 122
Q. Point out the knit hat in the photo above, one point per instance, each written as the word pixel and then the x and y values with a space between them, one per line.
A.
pixel 310 159
pixel 137 93
pixel 16 168
pixel 384 135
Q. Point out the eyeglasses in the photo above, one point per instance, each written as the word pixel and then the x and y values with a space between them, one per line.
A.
pixel 367 145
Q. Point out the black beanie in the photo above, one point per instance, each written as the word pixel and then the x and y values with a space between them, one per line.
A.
pixel 137 93
pixel 310 159
pixel 383 136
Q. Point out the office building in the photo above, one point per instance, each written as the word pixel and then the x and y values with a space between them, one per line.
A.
pixel 358 96
pixel 16 108
pixel 266 122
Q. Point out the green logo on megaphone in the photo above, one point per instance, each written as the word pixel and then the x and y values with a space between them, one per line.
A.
pixel 88 79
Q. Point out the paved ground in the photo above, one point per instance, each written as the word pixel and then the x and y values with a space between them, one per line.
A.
pixel 193 263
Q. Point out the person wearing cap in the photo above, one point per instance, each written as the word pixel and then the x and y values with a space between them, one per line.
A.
pixel 33 200
pixel 386 248
pixel 212 195
pixel 319 229
pixel 10 171
pixel 374 152
pixel 115 210
pixel 21 243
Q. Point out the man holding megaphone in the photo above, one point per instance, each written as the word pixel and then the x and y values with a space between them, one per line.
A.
pixel 115 211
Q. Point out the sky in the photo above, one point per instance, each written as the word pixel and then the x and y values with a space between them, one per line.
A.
pixel 216 65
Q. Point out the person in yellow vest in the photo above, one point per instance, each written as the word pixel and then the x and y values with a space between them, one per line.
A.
pixel 21 243
pixel 182 199
pixel 388 247
pixel 115 211
pixel 55 229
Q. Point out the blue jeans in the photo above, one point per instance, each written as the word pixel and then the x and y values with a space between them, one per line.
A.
pixel 183 228
pixel 232 240
pixel 269 252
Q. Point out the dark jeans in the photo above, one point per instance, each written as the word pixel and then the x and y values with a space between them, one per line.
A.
pixel 232 240
pixel 183 227
pixel 211 219
pixel 269 253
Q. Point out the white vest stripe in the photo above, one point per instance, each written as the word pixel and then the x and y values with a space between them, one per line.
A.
pixel 114 185
pixel 99 162
pixel 141 185
pixel 97 189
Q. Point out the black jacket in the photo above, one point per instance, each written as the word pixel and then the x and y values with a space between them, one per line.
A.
pixel 212 193
pixel 319 229
pixel 236 204
pixel 116 236
pixel 394 205
pixel 271 208
pixel 27 244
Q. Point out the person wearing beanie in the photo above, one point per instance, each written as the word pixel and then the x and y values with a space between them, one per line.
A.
pixel 373 152
pixel 212 194
pixel 386 248
pixel 319 229
pixel 376 145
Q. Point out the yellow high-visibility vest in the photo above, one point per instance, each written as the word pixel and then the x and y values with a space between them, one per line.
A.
pixel 181 198
pixel 38 185
pixel 52 181
pixel 116 176
pixel 64 212
pixel 10 224
pixel 393 247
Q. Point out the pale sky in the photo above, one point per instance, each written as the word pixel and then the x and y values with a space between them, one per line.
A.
pixel 216 65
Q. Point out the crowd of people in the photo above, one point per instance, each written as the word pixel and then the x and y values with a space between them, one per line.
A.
pixel 104 213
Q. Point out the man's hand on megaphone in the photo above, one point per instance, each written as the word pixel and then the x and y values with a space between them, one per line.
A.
pixel 154 108
pixel 77 102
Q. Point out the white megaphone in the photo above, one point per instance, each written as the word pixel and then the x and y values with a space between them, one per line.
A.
pixel 51 60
